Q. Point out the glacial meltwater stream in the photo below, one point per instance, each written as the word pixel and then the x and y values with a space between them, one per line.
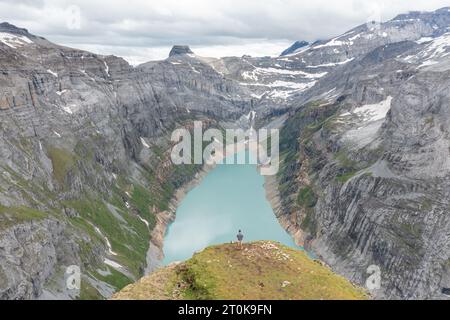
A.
pixel 231 197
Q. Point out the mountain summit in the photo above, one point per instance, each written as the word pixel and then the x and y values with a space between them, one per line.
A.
pixel 292 49
pixel 261 270
pixel 10 28
pixel 179 50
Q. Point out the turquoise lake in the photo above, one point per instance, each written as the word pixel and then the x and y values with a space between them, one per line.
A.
pixel 231 197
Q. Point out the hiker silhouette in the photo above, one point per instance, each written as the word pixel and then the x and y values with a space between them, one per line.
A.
pixel 240 237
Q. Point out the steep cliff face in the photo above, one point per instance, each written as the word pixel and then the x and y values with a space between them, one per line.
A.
pixel 85 151
pixel 367 178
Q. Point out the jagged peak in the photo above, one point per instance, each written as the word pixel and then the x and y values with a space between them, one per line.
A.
pixel 295 46
pixel 179 50
pixel 10 28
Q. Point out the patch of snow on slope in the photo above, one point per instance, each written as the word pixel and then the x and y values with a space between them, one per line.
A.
pixel 258 96
pixel 67 109
pixel 144 221
pixel 253 75
pixel 193 69
pixel 108 244
pixel 295 88
pixel 424 40
pixel 368 122
pixel 331 64
pixel 333 43
pixel 283 89
pixel 247 75
pixel 279 94
pixel 291 72
pixel 144 143
pixel 251 115
pixel 428 63
pixel 113 264
pixel 52 73
pixel 106 68
pixel 439 45
pixel 14 41
pixel 435 49
pixel 292 85
pixel 87 75
pixel 374 112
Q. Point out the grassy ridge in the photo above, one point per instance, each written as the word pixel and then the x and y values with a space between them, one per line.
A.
pixel 261 271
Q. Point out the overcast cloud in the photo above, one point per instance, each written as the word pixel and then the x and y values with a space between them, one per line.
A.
pixel 142 30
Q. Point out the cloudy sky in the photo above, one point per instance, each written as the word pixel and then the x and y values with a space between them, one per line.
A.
pixel 142 30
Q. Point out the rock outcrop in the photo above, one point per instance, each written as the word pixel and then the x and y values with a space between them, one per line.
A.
pixel 294 48
pixel 180 50
pixel 264 271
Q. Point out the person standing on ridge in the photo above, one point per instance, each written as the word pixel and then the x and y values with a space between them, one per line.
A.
pixel 240 238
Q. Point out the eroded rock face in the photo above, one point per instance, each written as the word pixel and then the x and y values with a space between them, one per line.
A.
pixel 29 253
pixel 370 185
pixel 84 139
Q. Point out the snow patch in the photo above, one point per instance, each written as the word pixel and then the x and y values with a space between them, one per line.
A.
pixel 113 264
pixel 144 221
pixel 257 96
pixel 331 64
pixel 334 43
pixel 67 109
pixel 14 41
pixel 373 112
pixel 251 116
pixel 106 68
pixel 368 123
pixel 247 75
pixel 108 244
pixel 144 143
pixel 424 40
pixel 52 73
pixel 435 49
pixel 86 74
pixel 253 75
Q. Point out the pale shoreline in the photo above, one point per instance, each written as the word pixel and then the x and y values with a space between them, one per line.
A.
pixel 155 254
